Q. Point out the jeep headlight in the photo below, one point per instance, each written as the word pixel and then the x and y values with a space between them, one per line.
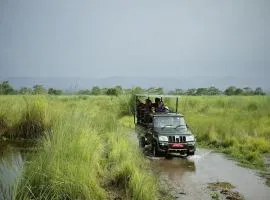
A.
pixel 190 138
pixel 163 138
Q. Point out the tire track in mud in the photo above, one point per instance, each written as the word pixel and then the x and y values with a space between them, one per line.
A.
pixel 189 178
pixel 173 173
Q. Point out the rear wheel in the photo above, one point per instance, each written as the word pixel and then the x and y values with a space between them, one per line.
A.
pixel 155 152
pixel 142 142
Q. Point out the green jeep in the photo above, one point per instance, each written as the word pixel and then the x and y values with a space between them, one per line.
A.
pixel 164 130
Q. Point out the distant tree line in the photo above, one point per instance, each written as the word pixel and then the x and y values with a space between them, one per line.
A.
pixel 7 89
pixel 118 90
pixel 232 90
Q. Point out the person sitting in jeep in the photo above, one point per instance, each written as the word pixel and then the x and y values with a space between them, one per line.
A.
pixel 161 107
pixel 147 111
pixel 140 107
pixel 157 100
pixel 148 105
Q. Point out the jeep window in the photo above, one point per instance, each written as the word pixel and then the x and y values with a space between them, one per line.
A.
pixel 174 122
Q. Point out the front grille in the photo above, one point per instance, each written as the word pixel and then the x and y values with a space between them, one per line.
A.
pixel 177 139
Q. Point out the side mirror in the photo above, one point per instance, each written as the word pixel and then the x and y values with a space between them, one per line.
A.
pixel 187 125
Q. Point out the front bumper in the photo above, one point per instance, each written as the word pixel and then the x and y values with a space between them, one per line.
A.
pixel 182 148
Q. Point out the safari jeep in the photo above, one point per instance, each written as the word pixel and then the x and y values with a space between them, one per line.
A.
pixel 164 130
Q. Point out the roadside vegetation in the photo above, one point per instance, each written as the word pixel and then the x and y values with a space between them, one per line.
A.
pixel 85 153
pixel 236 125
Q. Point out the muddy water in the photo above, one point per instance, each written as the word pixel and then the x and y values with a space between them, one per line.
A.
pixel 12 158
pixel 188 178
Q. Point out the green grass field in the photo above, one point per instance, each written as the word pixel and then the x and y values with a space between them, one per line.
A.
pixel 87 150
pixel 237 126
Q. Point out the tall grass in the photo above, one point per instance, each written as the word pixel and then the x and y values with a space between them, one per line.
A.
pixel 24 117
pixel 68 165
pixel 85 151
pixel 238 126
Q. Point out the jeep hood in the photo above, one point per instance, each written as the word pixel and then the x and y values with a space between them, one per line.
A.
pixel 172 131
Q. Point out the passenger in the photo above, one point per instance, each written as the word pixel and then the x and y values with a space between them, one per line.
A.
pixel 147 111
pixel 140 111
pixel 160 107
pixel 148 105
pixel 155 105
pixel 166 109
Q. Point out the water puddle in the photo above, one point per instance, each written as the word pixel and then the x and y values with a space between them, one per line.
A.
pixel 12 157
pixel 188 178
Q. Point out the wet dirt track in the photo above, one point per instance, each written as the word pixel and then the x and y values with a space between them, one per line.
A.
pixel 189 178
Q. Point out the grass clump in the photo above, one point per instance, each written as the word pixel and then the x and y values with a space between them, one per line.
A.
pixel 33 121
pixel 237 126
pixel 3 125
pixel 126 166
pixel 23 117
pixel 68 166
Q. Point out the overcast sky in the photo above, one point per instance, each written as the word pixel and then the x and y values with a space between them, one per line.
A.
pixel 101 38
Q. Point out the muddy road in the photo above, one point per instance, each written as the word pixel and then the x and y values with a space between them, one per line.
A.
pixel 189 178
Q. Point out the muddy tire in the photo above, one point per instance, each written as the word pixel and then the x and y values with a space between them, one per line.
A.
pixel 168 156
pixel 155 152
pixel 142 142
pixel 191 153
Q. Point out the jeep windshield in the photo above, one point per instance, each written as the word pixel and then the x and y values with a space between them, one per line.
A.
pixel 169 122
